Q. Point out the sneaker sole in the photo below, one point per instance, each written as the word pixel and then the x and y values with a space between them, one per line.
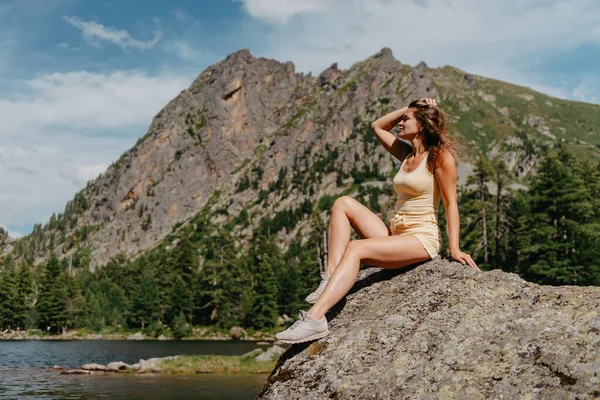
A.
pixel 316 336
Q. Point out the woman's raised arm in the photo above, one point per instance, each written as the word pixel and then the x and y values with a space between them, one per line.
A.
pixel 392 144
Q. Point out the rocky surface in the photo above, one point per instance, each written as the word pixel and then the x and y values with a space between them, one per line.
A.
pixel 443 331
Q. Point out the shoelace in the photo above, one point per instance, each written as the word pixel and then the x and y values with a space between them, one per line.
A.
pixel 296 324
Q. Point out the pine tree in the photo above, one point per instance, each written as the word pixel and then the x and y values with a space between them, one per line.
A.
pixel 8 294
pixel 145 304
pixel 24 296
pixel 180 300
pixel 264 309
pixel 502 223
pixel 476 205
pixel 559 206
pixel 52 299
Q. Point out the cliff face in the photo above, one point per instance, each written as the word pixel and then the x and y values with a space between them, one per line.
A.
pixel 246 113
pixel 443 331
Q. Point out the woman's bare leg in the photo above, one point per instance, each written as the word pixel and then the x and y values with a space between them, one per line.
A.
pixel 386 252
pixel 346 213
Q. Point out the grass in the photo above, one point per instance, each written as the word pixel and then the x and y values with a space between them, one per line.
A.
pixel 229 365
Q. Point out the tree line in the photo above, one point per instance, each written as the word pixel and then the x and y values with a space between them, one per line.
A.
pixel 548 234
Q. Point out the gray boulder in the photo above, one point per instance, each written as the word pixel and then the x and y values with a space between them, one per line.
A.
pixel 117 366
pixel 237 332
pixel 252 354
pixel 441 330
pixel 272 354
pixel 94 367
pixel 136 336
pixel 151 363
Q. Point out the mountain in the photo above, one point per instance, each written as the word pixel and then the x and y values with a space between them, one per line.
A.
pixel 251 139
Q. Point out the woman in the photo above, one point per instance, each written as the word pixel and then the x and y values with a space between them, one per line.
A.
pixel 427 171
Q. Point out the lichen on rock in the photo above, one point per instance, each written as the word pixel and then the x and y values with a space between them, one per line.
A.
pixel 440 330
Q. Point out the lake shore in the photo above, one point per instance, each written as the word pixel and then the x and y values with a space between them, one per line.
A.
pixel 200 334
pixel 256 361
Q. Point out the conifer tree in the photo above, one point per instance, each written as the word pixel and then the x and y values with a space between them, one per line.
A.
pixel 52 300
pixel 145 305
pixel 502 222
pixel 23 302
pixel 559 205
pixel 264 309
pixel 476 205
pixel 8 294
pixel 180 301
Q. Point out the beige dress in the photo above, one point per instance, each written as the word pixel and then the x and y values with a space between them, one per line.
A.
pixel 416 209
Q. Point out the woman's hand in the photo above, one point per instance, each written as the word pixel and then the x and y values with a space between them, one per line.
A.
pixel 431 102
pixel 464 258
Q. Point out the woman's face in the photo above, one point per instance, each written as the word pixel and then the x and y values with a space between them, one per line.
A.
pixel 408 126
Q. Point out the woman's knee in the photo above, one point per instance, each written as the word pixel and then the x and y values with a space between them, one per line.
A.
pixel 353 249
pixel 343 203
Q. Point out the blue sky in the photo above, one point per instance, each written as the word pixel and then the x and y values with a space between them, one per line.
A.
pixel 81 80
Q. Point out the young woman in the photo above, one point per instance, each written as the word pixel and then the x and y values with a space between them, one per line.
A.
pixel 427 172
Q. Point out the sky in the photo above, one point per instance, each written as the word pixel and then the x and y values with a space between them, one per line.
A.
pixel 80 81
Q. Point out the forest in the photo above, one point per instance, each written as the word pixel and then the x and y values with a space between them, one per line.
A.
pixel 548 234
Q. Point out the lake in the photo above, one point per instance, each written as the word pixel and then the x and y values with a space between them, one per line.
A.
pixel 25 374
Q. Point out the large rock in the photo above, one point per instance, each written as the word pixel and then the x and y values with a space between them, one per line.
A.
pixel 444 331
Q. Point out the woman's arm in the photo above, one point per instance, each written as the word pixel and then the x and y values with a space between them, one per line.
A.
pixel 392 144
pixel 445 173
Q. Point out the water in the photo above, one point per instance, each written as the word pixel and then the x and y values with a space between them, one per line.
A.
pixel 25 374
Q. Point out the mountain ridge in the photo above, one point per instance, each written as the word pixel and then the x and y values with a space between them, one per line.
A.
pixel 246 118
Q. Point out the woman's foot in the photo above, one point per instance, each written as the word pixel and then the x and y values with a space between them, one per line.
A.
pixel 314 296
pixel 304 330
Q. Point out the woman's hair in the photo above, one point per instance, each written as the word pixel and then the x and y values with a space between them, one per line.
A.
pixel 432 121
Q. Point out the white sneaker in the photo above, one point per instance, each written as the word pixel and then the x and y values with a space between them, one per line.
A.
pixel 304 330
pixel 314 296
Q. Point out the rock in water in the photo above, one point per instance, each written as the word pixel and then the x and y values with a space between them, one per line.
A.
pixel 441 330
pixel 271 354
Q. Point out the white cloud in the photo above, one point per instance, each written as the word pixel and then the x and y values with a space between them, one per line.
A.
pixel 94 33
pixel 61 130
pixel 280 11
pixel 88 101
pixel 184 51
pixel 502 40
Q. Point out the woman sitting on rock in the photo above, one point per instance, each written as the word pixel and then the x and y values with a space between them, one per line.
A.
pixel 427 172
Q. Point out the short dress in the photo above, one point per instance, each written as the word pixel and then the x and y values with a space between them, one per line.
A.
pixel 416 208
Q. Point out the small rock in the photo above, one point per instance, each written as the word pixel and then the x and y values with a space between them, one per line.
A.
pixel 94 367
pixel 76 372
pixel 93 336
pixel 117 366
pixel 162 337
pixel 272 354
pixel 252 354
pixel 237 332
pixel 136 336
pixel 57 368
